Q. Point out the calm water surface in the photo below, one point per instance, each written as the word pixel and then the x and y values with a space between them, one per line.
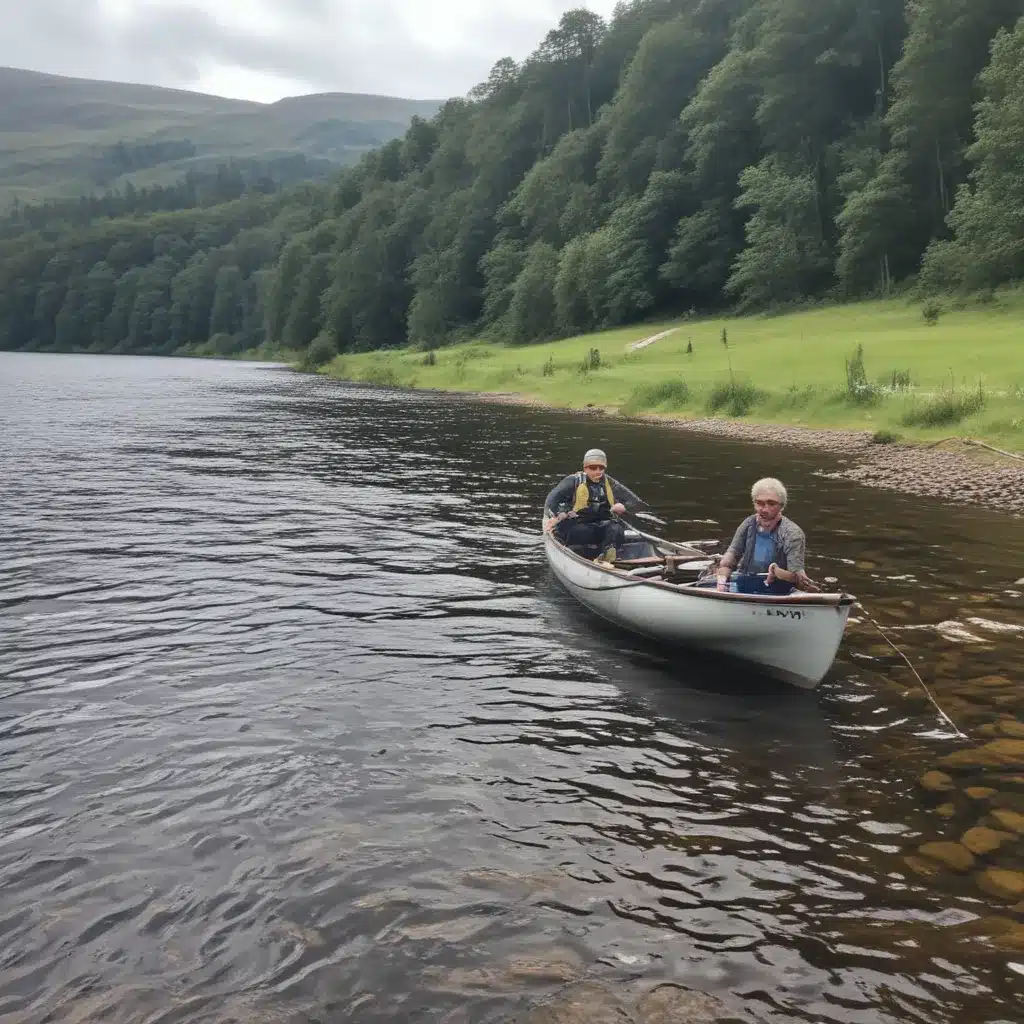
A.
pixel 294 724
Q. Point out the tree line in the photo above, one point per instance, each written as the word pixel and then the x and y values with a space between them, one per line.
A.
pixel 687 154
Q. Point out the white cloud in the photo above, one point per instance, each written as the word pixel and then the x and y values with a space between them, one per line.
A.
pixel 265 49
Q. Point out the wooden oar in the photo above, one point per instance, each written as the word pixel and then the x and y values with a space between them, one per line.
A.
pixel 681 549
pixel 650 518
pixel 637 562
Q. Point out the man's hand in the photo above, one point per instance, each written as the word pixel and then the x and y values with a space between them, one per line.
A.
pixel 806 584
pixel 550 524
pixel 618 509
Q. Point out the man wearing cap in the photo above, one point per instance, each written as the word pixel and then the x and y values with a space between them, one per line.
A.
pixel 584 506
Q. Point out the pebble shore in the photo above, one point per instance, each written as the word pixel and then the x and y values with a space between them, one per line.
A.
pixel 954 468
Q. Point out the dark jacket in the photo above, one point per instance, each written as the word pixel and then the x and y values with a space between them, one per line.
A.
pixel 563 497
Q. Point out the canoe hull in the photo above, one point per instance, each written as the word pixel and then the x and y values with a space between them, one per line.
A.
pixel 794 639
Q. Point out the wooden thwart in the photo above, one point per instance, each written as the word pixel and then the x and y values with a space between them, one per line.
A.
pixel 635 563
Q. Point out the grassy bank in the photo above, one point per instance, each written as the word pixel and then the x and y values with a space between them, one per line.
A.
pixel 918 380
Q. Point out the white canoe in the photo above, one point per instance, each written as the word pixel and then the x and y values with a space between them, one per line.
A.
pixel 792 638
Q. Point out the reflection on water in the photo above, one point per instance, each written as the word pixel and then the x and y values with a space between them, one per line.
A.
pixel 294 724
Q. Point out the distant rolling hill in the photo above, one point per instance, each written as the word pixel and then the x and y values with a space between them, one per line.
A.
pixel 72 136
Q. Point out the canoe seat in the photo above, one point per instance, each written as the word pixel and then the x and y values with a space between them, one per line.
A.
pixel 628 551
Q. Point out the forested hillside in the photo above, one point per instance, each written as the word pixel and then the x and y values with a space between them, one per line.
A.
pixel 691 154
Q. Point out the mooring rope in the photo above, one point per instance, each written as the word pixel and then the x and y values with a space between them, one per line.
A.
pixel 935 703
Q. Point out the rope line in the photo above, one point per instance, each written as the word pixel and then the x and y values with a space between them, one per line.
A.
pixel 935 703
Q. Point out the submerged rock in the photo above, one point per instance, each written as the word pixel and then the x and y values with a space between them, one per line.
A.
pixel 552 967
pixel 595 1002
pixel 1011 820
pixel 981 840
pixel 936 782
pixel 673 1004
pixel 1001 753
pixel 990 683
pixel 921 866
pixel 980 792
pixel 952 855
pixel 1002 882
pixel 562 965
pixel 587 1003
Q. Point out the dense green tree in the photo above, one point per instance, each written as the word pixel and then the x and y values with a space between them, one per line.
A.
pixel 786 256
pixel 71 332
pixel 904 205
pixel 149 324
pixel 227 309
pixel 557 199
pixel 573 314
pixel 988 217
pixel 531 312
pixel 501 265
pixel 284 284
pixel 53 286
pixel 643 120
pixel 98 291
pixel 305 316
pixel 687 153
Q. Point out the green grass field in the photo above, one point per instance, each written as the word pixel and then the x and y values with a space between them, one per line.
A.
pixel 966 371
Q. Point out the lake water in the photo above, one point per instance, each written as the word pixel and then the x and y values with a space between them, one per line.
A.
pixel 295 725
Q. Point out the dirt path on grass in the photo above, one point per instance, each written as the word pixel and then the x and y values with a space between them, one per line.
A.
pixel 952 471
pixel 637 345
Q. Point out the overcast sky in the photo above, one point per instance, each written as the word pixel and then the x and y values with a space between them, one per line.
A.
pixel 266 49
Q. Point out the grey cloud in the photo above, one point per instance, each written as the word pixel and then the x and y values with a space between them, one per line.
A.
pixel 354 51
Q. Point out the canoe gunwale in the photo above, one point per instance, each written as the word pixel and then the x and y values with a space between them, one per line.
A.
pixel 836 600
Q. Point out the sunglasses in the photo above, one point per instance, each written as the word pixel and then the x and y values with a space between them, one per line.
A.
pixel 593 467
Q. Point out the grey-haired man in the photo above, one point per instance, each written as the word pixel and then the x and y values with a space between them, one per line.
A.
pixel 585 505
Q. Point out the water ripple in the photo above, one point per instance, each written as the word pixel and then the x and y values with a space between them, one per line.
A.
pixel 293 725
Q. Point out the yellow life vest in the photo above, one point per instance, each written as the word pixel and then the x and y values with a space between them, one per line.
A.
pixel 583 494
